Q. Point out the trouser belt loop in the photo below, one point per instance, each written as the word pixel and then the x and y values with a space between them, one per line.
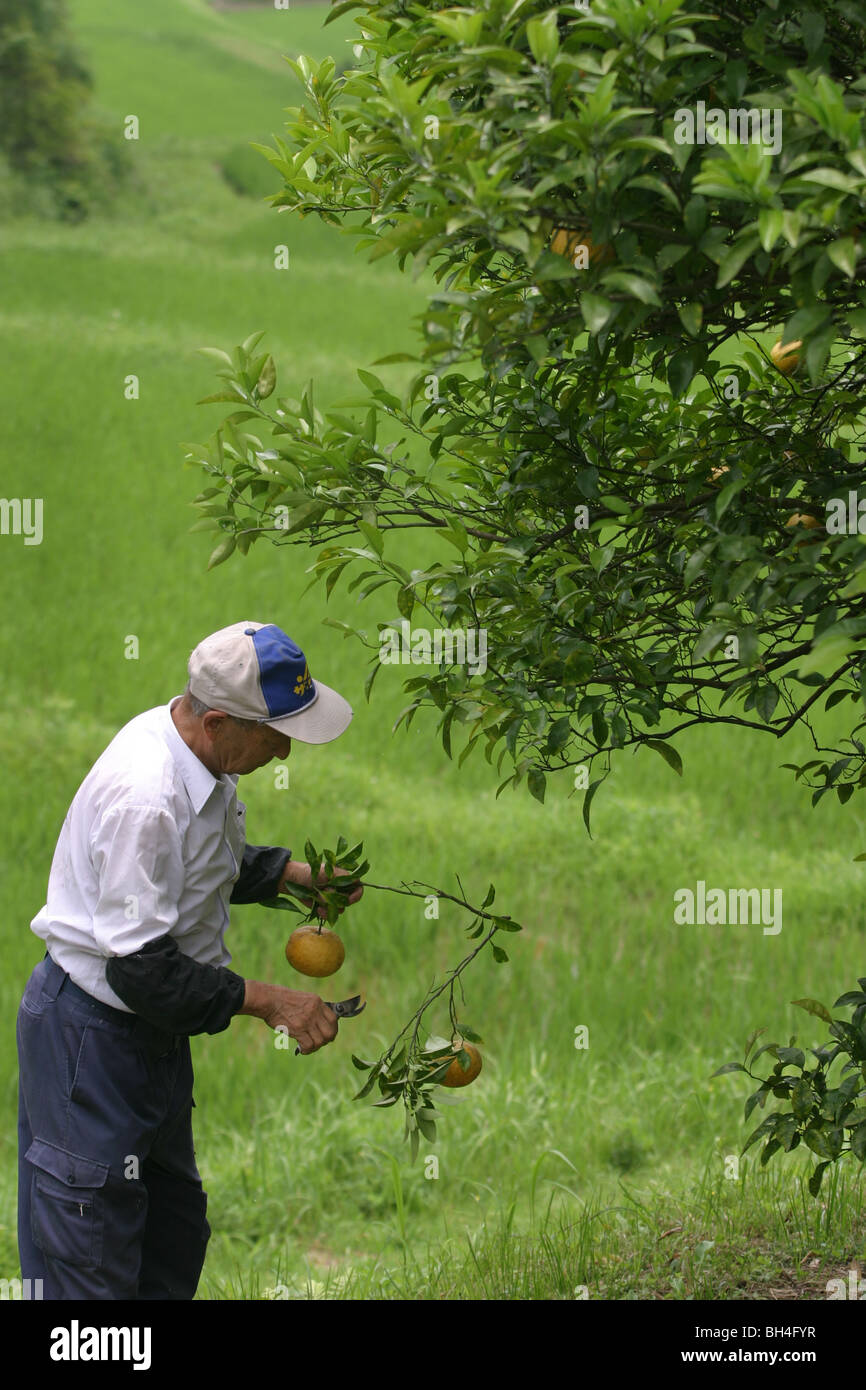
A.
pixel 54 978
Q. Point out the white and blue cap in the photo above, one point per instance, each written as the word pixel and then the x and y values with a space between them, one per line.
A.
pixel 255 671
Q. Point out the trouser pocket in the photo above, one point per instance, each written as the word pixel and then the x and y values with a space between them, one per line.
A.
pixel 67 1204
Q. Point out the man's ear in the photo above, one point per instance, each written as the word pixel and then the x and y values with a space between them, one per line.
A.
pixel 212 722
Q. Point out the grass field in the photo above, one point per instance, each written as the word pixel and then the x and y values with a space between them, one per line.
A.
pixel 562 1169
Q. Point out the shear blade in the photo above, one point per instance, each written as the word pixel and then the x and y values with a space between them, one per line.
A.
pixel 347 1008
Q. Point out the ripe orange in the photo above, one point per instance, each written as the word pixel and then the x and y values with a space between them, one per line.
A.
pixel 566 242
pixel 455 1075
pixel 810 522
pixel 718 473
pixel 313 950
pixel 785 356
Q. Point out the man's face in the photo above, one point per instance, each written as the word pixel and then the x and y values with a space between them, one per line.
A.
pixel 239 750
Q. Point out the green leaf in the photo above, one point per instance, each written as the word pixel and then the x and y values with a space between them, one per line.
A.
pixel 763 1128
pixel 765 701
pixel 858 1143
pixel 812 1006
pixel 373 535
pixel 559 734
pixel 832 178
pixel 791 1057
pixel 368 1085
pixel 734 260
pixel 537 783
pixel 691 318
pixel 222 551
pixel 751 1040
pixel 682 368
pixel 826 655
pixel 233 396
pixel 596 311
pixel 427 1128
pixel 543 38
pixel 373 672
pixel 588 797
pixel 635 285
pixel 267 379
pixel 281 905
pixel 248 345
pixel 818 1141
pixel 756 1098
pixel 729 1066
pixel 499 955
pixel 455 532
pixel 843 254
pixel 770 223
pixel 669 753
pixel 711 637
pixel 218 355
pixel 802 1099
pixel 772 1146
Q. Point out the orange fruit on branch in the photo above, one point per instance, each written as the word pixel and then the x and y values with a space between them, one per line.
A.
pixel 316 951
pixel 455 1075
pixel 579 248
pixel 811 523
pixel 785 356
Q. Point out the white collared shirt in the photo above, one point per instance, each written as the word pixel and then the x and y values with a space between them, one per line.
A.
pixel 151 844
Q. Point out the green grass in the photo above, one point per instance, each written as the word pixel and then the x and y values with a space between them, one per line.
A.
pixel 560 1168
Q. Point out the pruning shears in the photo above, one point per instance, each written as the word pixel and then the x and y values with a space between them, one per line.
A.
pixel 345 1008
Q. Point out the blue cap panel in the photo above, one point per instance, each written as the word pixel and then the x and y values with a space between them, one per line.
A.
pixel 287 685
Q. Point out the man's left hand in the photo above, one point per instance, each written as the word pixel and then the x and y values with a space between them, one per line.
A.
pixel 297 872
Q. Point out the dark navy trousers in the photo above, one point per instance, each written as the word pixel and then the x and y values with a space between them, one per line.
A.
pixel 110 1201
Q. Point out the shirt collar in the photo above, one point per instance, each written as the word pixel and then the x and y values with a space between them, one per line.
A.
pixel 199 782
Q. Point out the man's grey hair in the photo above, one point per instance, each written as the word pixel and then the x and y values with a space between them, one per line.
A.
pixel 200 709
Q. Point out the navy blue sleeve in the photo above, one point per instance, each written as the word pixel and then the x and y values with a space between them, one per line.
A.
pixel 260 873
pixel 174 992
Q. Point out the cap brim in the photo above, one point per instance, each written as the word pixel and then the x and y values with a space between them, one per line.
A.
pixel 325 719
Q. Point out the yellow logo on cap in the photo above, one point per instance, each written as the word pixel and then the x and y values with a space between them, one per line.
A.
pixel 304 682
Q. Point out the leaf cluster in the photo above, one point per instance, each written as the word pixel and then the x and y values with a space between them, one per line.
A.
pixel 830 1119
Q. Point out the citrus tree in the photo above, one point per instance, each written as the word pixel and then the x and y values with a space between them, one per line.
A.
pixel 630 447
pixel 641 507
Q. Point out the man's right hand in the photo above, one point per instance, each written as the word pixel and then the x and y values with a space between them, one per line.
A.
pixel 305 1017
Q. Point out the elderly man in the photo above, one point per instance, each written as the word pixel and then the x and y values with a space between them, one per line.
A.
pixel 152 852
